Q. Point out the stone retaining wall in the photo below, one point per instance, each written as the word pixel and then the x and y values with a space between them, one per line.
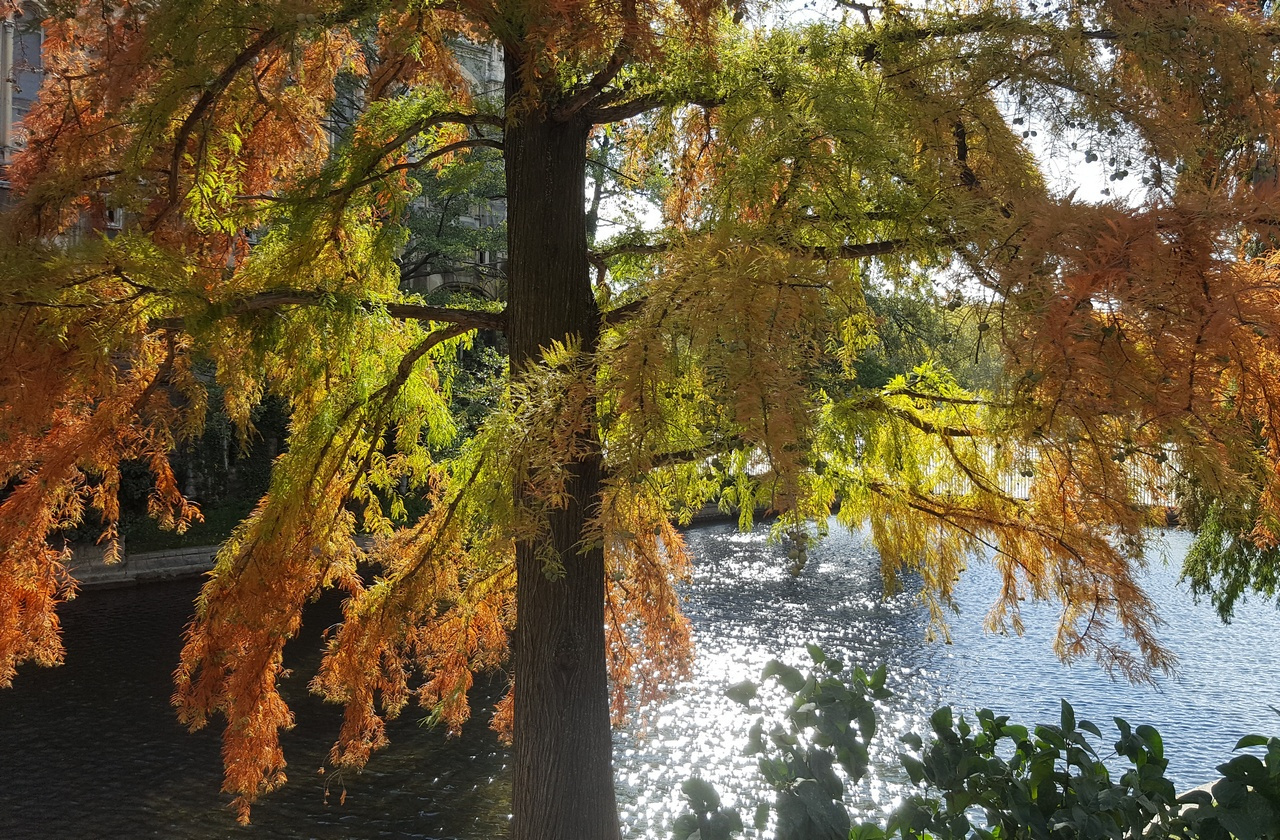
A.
pixel 89 569
pixel 92 572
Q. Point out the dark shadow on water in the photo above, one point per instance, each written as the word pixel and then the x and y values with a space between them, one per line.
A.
pixel 94 750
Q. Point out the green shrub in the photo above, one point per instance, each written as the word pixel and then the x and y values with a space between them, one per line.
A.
pixel 990 780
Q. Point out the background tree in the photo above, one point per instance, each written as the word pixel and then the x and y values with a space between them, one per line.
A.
pixel 455 217
pixel 806 165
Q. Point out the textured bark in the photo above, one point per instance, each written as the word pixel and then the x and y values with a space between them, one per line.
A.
pixel 563 786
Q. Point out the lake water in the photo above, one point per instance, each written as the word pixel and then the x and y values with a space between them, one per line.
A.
pixel 92 749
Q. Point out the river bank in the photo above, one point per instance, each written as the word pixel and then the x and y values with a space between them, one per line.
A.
pixel 91 571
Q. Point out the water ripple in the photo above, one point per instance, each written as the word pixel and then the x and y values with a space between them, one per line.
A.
pixel 92 749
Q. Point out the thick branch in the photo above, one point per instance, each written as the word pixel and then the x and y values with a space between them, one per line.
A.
pixel 465 318
pixel 918 395
pixel 469 318
pixel 622 314
pixel 592 94
pixel 595 86
pixel 443 118
pixel 967 175
pixel 603 112
pixel 700 453
pixel 472 143
pixel 857 251
pixel 927 426
pixel 680 457
pixel 639 249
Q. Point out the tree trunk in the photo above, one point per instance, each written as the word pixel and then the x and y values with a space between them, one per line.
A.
pixel 563 786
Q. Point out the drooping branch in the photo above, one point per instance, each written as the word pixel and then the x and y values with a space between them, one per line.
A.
pixel 965 25
pixel 615 107
pixel 412 131
pixel 435 120
pixel 848 251
pixel 461 145
pixel 405 368
pixel 400 140
pixel 854 251
pixel 216 88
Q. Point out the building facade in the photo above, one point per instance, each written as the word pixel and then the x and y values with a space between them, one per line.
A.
pixel 21 72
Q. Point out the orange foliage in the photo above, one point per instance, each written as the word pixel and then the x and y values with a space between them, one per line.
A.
pixel 61 454
pixel 1156 316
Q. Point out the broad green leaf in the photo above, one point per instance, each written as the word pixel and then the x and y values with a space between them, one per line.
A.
pixel 761 816
pixel 685 826
pixel 790 678
pixel 743 692
pixel 702 796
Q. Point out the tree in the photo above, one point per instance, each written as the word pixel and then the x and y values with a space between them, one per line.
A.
pixel 805 165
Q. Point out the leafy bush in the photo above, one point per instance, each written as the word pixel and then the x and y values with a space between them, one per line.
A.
pixel 992 780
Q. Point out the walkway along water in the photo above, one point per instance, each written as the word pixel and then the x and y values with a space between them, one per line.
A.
pixel 92 749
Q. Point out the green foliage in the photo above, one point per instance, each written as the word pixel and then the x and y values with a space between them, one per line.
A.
pixel 708 821
pixel 1046 783
pixel 218 521
pixel 457 212
pixel 917 326
pixel 478 385
pixel 757 361
pixel 993 780
pixel 1224 562
pixel 1246 801
pixel 829 723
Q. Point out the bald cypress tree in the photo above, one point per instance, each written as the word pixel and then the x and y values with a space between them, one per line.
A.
pixel 711 360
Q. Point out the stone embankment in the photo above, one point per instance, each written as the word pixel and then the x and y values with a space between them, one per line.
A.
pixel 90 570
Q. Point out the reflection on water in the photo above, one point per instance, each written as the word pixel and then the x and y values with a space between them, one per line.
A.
pixel 92 749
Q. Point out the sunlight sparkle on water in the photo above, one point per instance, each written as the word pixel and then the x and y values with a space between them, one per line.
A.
pixel 747 609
